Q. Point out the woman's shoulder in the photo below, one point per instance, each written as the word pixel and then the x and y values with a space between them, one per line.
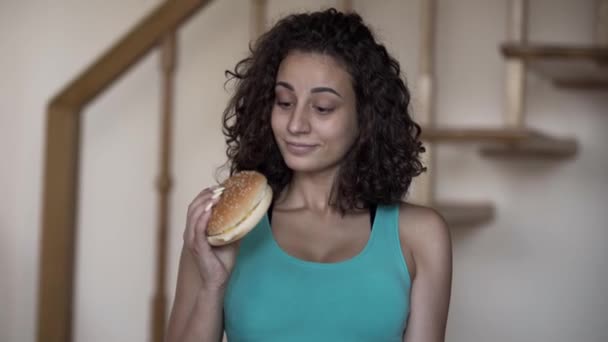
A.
pixel 425 232
pixel 417 217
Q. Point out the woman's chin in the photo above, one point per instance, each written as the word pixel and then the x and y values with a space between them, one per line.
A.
pixel 302 165
pixel 307 166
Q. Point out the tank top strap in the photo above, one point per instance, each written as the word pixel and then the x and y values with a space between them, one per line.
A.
pixel 387 247
pixel 386 223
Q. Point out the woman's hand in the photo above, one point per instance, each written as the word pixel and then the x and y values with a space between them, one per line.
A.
pixel 202 277
pixel 214 263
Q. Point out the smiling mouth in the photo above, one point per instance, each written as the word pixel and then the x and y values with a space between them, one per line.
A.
pixel 299 149
pixel 299 145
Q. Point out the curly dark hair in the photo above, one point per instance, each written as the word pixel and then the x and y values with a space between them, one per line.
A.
pixel 379 167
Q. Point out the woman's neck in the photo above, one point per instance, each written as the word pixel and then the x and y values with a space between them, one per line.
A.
pixel 310 191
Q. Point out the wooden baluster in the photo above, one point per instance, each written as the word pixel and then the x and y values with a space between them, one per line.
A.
pixel 61 173
pixel 516 68
pixel 601 26
pixel 168 61
pixel 258 18
pixel 425 112
pixel 345 5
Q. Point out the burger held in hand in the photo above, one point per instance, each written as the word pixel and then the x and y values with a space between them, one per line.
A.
pixel 244 199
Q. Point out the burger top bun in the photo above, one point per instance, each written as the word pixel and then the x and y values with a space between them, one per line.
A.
pixel 243 192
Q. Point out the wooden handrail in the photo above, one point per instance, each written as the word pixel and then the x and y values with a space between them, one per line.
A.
pixel 55 288
pixel 144 37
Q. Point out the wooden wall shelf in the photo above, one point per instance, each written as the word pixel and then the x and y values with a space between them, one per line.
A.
pixel 465 214
pixel 536 146
pixel 464 135
pixel 579 67
pixel 506 141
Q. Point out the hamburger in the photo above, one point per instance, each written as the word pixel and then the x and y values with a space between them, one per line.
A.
pixel 244 199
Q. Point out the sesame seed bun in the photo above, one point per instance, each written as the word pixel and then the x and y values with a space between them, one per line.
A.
pixel 243 203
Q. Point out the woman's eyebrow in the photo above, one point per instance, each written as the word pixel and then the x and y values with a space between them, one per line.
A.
pixel 313 90
pixel 286 85
pixel 324 89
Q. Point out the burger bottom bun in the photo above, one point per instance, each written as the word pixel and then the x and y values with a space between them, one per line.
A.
pixel 246 225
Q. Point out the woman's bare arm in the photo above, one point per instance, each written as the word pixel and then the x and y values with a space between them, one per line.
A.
pixel 431 287
pixel 197 312
pixel 203 274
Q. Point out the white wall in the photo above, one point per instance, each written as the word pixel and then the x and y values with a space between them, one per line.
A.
pixel 536 273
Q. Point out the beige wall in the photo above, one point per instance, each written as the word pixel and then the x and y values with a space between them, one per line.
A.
pixel 537 273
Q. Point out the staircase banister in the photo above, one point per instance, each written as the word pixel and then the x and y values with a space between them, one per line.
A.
pixel 139 41
pixel 63 131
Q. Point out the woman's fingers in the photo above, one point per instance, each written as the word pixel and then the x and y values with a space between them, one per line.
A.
pixel 196 208
pixel 200 227
pixel 214 271
pixel 203 196
pixel 194 216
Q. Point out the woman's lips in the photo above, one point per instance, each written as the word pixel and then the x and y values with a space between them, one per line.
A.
pixel 299 149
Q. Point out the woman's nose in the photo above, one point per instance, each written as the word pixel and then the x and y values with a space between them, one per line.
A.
pixel 299 122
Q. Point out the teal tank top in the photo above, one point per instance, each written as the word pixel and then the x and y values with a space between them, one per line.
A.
pixel 273 296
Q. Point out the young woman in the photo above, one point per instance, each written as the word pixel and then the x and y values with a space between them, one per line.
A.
pixel 320 109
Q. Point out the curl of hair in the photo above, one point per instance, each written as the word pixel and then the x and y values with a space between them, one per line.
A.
pixel 380 166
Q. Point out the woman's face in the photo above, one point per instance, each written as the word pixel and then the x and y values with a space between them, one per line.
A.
pixel 314 117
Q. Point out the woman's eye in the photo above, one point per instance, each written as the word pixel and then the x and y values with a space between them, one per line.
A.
pixel 284 104
pixel 324 110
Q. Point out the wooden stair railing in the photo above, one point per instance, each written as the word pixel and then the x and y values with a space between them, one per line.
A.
pixel 56 280
pixel 460 213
